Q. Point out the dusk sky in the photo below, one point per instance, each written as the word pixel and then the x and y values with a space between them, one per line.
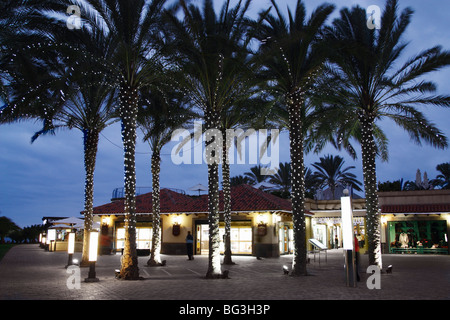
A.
pixel 46 178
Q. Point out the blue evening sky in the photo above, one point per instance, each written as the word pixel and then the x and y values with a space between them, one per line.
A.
pixel 46 178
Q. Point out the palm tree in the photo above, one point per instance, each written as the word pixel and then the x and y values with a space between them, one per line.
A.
pixel 243 113
pixel 311 183
pixel 442 180
pixel 368 87
pixel 136 64
pixel 238 180
pixel 330 173
pixel 63 85
pixel 283 177
pixel 396 185
pixel 162 112
pixel 292 59
pixel 254 176
pixel 213 53
pixel 6 227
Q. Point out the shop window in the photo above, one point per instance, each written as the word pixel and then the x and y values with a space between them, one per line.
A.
pixel 143 238
pixel 418 234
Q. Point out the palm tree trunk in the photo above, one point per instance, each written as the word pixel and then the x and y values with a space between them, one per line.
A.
pixel 214 268
pixel 155 257
pixel 298 187
pixel 90 140
pixel 226 188
pixel 370 186
pixel 128 114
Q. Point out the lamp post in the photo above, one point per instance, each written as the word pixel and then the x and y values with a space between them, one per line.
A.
pixel 71 248
pixel 348 238
pixel 93 250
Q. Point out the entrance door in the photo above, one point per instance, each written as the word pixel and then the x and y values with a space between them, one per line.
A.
pixel 204 239
pixel 284 236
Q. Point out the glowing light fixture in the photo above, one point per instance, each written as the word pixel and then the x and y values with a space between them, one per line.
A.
pixel 261 219
pixel 347 237
pixel 71 243
pixel 70 248
pixel 51 237
pixel 347 223
pixel 93 246
pixel 93 250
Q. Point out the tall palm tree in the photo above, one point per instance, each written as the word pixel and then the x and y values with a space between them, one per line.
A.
pixel 292 59
pixel 330 173
pixel 245 113
pixel 61 86
pixel 133 26
pixel 212 51
pixel 369 86
pixel 162 112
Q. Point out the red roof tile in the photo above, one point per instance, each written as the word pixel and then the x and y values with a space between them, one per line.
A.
pixel 416 208
pixel 243 198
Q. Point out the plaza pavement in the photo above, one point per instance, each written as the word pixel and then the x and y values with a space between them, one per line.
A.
pixel 27 272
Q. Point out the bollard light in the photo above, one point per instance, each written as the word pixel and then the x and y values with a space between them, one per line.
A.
pixel 93 250
pixel 51 236
pixel 71 248
pixel 348 238
pixel 285 270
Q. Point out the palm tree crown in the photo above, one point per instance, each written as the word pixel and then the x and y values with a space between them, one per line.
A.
pixel 330 173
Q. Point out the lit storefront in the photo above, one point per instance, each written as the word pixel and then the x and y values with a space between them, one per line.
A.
pixel 241 235
pixel 326 222
pixel 261 223
pixel 415 222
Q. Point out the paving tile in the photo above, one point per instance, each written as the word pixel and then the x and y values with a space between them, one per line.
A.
pixel 28 272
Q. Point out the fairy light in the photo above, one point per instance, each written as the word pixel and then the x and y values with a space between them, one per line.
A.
pixel 369 153
pixel 156 210
pixel 226 189
pixel 128 102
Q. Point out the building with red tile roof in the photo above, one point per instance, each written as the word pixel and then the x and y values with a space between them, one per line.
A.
pixel 252 210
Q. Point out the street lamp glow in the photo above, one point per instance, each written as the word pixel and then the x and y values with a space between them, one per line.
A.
pixel 93 246
pixel 71 243
pixel 93 250
pixel 347 223
pixel 51 235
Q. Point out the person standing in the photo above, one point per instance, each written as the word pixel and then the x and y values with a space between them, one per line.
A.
pixel 357 258
pixel 190 246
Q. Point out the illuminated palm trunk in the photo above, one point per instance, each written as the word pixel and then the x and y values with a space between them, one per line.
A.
pixel 90 140
pixel 370 185
pixel 128 114
pixel 155 257
pixel 212 146
pixel 226 188
pixel 298 186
